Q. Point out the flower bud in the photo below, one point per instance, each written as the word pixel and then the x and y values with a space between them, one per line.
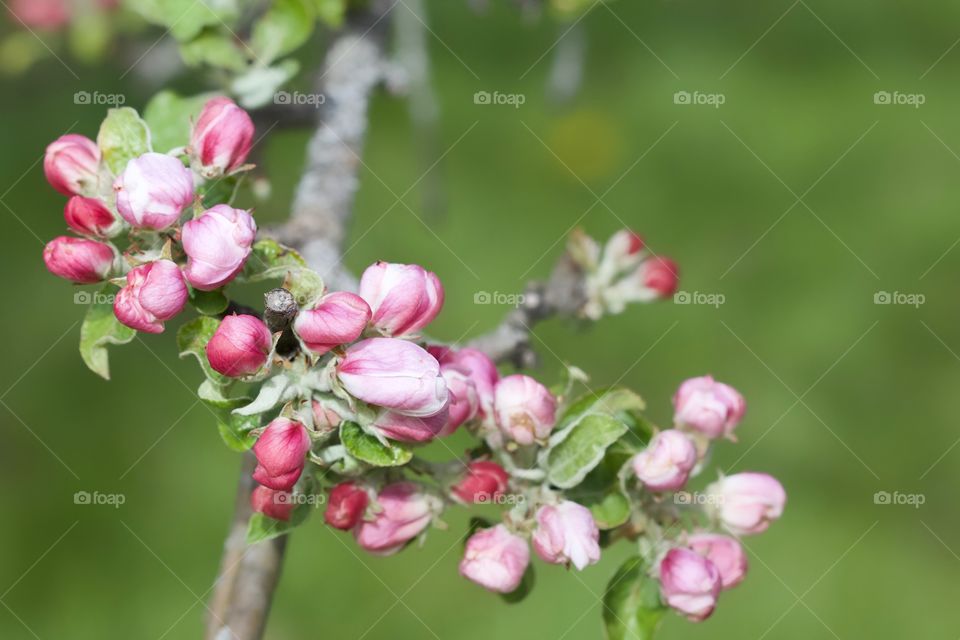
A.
pixel 346 507
pixel 404 298
pixel 39 14
pixel 485 481
pixel 725 553
pixel 217 245
pixel 567 534
pixel 495 559
pixel 239 346
pixel 624 250
pixel 525 410
pixel 478 366
pixel 90 217
pixel 395 374
pixel 338 318
pixel 464 401
pixel 660 276
pixel 708 407
pixel 667 461
pixel 153 191
pixel 690 583
pixel 273 504
pixel 324 418
pixel 221 137
pixel 280 452
pixel 71 164
pixel 77 259
pixel 404 512
pixel 155 292
pixel 746 503
pixel 405 428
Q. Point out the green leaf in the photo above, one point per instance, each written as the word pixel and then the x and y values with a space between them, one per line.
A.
pixel 215 49
pixel 286 26
pixel 270 260
pixel 331 12
pixel 257 87
pixel 123 136
pixel 569 459
pixel 192 339
pixel 186 18
pixel 306 286
pixel 209 303
pixel 235 430
pixel 100 328
pixel 263 527
pixel 522 591
pixel 631 603
pixel 367 448
pixel 89 34
pixel 609 401
pixel 219 397
pixel 170 118
pixel 276 390
pixel 611 511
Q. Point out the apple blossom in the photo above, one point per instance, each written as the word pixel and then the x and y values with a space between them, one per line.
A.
pixel 746 503
pixel 71 164
pixel 708 407
pixel 690 583
pixel 78 259
pixel 153 191
pixel 280 452
pixel 217 245
pixel 90 217
pixel 495 559
pixel 404 298
pixel 667 461
pixel 395 374
pixel 464 401
pixel 346 506
pixel 337 318
pixel 566 533
pixel 725 553
pixel 239 346
pixel 274 504
pixel 402 512
pixel 221 137
pixel 478 366
pixel 525 410
pixel 155 292
pixel 484 481
pixel 406 428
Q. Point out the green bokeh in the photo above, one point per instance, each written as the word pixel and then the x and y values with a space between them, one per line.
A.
pixel 846 397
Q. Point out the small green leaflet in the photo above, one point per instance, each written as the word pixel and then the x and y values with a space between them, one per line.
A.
pixel 367 448
pixel 631 603
pixel 100 328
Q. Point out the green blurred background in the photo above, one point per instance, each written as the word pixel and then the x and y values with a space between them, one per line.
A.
pixel 846 397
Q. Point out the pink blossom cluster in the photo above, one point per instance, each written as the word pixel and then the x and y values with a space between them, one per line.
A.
pixel 132 228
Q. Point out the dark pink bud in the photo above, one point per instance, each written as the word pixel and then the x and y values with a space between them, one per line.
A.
pixel 273 504
pixel 660 275
pixel 280 452
pixel 239 346
pixel 90 217
pixel 77 259
pixel 222 137
pixel 485 481
pixel 338 318
pixel 71 164
pixel 155 292
pixel 348 502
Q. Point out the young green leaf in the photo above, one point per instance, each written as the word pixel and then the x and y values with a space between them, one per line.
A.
pixel 192 339
pixel 286 26
pixel 367 448
pixel 170 117
pixel 631 603
pixel 609 401
pixel 123 136
pixel 270 260
pixel 263 527
pixel 209 303
pixel 100 328
pixel 581 449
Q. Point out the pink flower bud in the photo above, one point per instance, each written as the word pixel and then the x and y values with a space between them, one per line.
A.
pixel 485 481
pixel 566 533
pixel 525 410
pixel 239 346
pixel 338 318
pixel 221 137
pixel 273 504
pixel 690 583
pixel 324 418
pixel 464 401
pixel 155 292
pixel 280 452
pixel 395 374
pixel 667 461
pixel 478 366
pixel 405 428
pixel 746 503
pixel 153 191
pixel 708 407
pixel 404 298
pixel 217 245
pixel 495 559
pixel 346 507
pixel 404 512
pixel 660 276
pixel 71 164
pixel 725 553
pixel 90 217
pixel 77 259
